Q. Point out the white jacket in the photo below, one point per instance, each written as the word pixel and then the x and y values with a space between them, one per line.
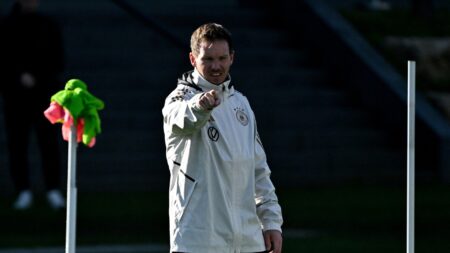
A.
pixel 221 197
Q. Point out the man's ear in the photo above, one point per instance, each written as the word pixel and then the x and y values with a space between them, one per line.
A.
pixel 192 59
pixel 232 56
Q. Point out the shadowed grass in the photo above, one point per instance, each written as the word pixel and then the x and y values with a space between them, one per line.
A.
pixel 340 218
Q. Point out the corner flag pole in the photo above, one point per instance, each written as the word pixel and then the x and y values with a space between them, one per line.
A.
pixel 65 107
pixel 410 156
pixel 71 192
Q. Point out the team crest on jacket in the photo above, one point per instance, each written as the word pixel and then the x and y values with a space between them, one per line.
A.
pixel 241 116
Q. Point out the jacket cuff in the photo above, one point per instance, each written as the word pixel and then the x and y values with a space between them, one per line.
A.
pixel 271 226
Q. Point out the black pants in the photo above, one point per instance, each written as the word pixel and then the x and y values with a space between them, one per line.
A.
pixel 20 119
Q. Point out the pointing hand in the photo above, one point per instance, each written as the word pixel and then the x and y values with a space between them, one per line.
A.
pixel 209 100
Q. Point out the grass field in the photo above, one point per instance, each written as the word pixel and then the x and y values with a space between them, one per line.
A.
pixel 322 219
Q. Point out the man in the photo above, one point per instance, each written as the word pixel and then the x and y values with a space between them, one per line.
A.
pixel 221 196
pixel 30 63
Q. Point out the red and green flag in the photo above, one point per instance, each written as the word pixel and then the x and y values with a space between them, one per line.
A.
pixel 76 105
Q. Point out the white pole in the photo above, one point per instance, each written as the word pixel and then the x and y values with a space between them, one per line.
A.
pixel 71 192
pixel 410 156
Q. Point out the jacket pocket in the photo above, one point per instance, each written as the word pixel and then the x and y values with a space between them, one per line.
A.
pixel 185 189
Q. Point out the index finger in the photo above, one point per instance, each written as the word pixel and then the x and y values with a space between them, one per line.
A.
pixel 214 93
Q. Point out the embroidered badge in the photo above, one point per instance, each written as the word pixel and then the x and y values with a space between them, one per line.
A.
pixel 213 133
pixel 241 116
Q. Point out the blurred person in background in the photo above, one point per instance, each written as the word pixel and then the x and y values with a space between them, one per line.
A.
pixel 31 60
pixel 221 196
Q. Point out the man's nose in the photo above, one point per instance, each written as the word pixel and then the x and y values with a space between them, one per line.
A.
pixel 215 65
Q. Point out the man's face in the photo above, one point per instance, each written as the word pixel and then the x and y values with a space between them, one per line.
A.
pixel 213 61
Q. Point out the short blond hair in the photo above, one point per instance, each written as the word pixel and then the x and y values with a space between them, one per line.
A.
pixel 210 32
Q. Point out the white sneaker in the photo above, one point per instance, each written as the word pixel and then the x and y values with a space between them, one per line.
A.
pixel 24 200
pixel 55 199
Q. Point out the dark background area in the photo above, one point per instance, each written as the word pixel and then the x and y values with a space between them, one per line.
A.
pixel 339 168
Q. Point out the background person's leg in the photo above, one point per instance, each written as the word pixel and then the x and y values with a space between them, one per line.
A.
pixel 18 124
pixel 47 137
pixel 18 133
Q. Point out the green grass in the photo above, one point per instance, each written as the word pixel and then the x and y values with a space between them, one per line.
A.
pixel 103 218
pixel 341 219
pixel 366 219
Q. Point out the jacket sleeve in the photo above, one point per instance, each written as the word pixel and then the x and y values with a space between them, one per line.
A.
pixel 267 207
pixel 181 113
